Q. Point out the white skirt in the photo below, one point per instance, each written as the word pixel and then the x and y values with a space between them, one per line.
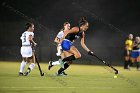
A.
pixel 26 51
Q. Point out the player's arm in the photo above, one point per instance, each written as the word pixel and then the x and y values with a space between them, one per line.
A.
pixel 134 44
pixel 58 37
pixel 83 43
pixel 72 30
pixel 31 40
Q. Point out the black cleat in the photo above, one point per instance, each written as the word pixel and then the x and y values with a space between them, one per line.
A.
pixel 64 73
pixel 56 74
pixel 26 73
pixel 50 65
pixel 20 74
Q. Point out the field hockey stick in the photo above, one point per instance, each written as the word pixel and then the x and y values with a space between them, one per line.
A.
pixel 41 73
pixel 116 71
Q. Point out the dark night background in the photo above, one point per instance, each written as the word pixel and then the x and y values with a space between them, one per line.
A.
pixel 110 23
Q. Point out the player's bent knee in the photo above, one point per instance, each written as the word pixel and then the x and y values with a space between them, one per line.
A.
pixel 78 55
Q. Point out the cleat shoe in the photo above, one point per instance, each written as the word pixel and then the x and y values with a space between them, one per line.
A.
pixel 56 74
pixel 50 65
pixel 64 73
pixel 26 73
pixel 20 74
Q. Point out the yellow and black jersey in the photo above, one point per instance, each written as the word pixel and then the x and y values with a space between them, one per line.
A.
pixel 128 44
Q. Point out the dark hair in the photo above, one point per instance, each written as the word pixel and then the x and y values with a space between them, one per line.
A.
pixel 27 25
pixel 82 21
pixel 65 23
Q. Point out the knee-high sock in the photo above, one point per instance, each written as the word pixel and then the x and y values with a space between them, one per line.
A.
pixel 60 70
pixel 128 63
pixel 31 66
pixel 56 63
pixel 138 65
pixel 22 66
pixel 125 64
pixel 70 58
pixel 66 65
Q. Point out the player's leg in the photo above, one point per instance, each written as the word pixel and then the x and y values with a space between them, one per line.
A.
pixel 67 63
pixel 31 66
pixel 134 56
pixel 58 62
pixel 53 63
pixel 22 66
pixel 138 61
pixel 127 60
pixel 59 50
pixel 74 55
pixel 59 53
pixel 31 58
pixel 23 52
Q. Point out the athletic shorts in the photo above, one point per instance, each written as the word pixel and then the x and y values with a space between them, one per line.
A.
pixel 66 44
pixel 135 53
pixel 26 51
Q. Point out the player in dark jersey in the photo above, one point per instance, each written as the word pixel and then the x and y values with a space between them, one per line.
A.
pixel 67 44
pixel 135 54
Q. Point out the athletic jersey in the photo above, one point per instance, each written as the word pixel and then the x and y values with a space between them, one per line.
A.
pixel 136 47
pixel 25 37
pixel 129 43
pixel 73 36
pixel 60 34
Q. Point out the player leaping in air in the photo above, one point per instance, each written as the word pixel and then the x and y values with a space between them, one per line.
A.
pixel 26 49
pixel 69 49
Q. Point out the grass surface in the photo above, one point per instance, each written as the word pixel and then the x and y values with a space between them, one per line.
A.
pixel 81 79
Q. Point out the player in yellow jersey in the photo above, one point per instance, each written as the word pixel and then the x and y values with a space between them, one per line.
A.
pixel 128 49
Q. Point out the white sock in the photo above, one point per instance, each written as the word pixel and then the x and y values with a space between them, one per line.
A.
pixel 56 63
pixel 22 66
pixel 31 66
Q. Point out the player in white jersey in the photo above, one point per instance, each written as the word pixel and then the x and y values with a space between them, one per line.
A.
pixel 26 49
pixel 58 40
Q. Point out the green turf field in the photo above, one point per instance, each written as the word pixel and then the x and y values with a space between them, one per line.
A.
pixel 81 79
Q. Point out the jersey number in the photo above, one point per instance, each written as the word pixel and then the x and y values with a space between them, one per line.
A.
pixel 24 37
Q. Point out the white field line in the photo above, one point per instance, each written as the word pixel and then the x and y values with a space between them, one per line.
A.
pixel 54 87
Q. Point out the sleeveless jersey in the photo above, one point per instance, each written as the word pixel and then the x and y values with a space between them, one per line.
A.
pixel 25 37
pixel 73 36
pixel 60 34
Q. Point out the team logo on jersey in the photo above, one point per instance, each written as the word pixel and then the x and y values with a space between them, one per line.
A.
pixel 76 36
